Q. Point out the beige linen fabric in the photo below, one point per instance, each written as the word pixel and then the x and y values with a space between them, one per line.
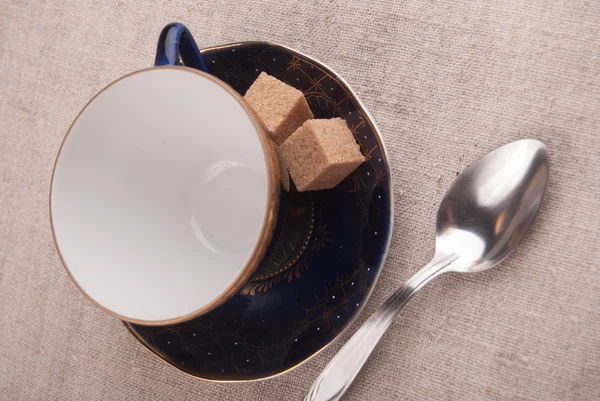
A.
pixel 446 81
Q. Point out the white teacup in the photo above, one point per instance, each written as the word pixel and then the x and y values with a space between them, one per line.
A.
pixel 164 195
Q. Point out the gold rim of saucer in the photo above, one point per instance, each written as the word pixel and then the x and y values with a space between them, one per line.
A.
pixel 272 207
pixel 168 361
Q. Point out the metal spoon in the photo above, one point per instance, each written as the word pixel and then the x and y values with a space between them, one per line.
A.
pixel 481 220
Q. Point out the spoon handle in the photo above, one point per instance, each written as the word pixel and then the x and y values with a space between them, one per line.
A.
pixel 339 374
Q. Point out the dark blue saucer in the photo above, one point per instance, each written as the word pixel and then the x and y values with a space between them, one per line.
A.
pixel 311 295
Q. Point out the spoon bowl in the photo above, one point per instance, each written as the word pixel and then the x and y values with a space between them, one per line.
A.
pixel 491 205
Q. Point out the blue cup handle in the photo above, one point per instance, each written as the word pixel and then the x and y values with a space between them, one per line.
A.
pixel 176 46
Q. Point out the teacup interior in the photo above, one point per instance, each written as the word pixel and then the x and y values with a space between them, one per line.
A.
pixel 160 194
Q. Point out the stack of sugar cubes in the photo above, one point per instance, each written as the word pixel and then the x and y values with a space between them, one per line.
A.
pixel 318 153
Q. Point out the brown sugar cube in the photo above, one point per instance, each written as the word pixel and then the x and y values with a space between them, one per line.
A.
pixel 282 108
pixel 320 154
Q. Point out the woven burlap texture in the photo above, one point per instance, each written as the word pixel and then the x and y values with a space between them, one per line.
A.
pixel 446 81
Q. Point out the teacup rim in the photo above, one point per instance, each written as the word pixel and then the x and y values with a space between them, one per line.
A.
pixel 271 206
